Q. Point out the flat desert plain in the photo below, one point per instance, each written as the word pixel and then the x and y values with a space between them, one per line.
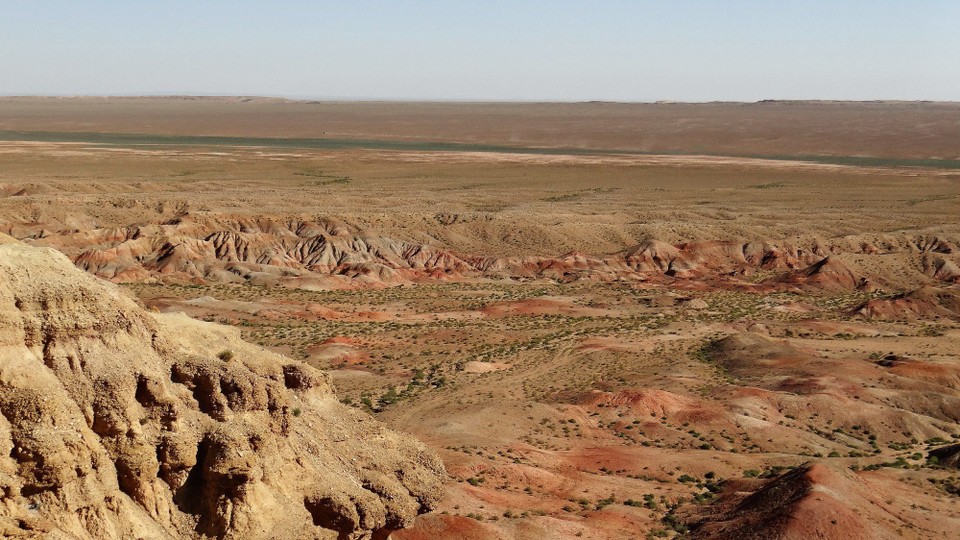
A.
pixel 608 320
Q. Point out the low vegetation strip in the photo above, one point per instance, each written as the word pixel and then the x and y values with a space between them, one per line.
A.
pixel 144 139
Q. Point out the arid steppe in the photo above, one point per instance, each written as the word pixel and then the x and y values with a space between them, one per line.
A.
pixel 607 320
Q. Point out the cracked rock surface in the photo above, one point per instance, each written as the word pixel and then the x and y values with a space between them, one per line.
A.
pixel 120 423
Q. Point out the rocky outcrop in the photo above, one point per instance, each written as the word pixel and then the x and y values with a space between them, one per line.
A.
pixel 330 254
pixel 829 274
pixel 947 456
pixel 810 501
pixel 120 423
pixel 922 303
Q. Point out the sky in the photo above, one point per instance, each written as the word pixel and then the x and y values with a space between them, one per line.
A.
pixel 520 50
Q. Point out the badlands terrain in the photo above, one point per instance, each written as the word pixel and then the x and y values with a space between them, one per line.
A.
pixel 568 321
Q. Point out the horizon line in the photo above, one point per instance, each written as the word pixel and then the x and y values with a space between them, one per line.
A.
pixel 335 99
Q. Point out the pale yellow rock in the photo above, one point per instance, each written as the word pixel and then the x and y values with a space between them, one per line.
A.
pixel 120 423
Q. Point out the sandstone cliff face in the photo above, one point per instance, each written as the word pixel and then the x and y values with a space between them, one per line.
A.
pixel 119 423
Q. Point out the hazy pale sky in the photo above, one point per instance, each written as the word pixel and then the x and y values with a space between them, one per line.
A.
pixel 563 50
